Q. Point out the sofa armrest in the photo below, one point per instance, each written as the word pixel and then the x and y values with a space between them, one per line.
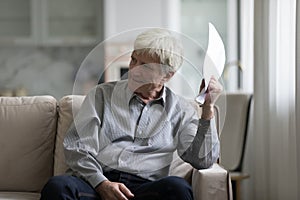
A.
pixel 211 184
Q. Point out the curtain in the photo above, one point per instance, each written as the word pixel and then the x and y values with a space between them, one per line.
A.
pixel 298 90
pixel 274 170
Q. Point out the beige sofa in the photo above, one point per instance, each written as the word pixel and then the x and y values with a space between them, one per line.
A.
pixel 31 134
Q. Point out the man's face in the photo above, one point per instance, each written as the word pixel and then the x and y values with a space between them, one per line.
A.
pixel 145 72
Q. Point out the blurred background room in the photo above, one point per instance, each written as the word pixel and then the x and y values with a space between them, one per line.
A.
pixel 62 47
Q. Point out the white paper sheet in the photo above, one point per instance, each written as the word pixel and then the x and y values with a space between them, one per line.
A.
pixel 214 60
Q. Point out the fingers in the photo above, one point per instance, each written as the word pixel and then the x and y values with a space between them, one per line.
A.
pixel 214 86
pixel 119 195
pixel 121 192
pixel 126 191
pixel 214 90
pixel 114 191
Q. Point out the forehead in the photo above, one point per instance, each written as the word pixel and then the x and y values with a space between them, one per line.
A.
pixel 145 57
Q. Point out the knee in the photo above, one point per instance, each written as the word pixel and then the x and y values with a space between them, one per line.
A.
pixel 56 183
pixel 176 182
pixel 55 187
pixel 178 187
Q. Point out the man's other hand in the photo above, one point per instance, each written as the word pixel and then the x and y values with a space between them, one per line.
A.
pixel 113 191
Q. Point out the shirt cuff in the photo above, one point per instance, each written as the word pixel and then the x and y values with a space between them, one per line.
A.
pixel 96 180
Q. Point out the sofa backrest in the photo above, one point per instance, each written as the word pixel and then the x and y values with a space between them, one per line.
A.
pixel 68 107
pixel 234 132
pixel 27 136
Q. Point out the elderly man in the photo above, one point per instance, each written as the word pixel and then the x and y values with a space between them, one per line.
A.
pixel 121 143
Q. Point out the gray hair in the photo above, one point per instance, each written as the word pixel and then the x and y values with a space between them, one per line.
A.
pixel 160 42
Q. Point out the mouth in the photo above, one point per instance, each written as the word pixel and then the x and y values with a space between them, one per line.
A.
pixel 139 81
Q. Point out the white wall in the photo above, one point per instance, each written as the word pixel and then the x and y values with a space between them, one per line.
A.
pixel 125 15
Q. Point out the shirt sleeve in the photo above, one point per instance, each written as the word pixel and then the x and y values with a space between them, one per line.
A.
pixel 199 142
pixel 81 144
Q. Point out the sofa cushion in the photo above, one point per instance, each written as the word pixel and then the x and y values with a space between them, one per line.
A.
pixel 27 136
pixel 180 168
pixel 19 196
pixel 68 107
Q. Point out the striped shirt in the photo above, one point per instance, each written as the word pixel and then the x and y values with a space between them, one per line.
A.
pixel 114 129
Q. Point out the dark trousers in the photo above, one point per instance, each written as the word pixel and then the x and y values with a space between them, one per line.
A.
pixel 71 187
